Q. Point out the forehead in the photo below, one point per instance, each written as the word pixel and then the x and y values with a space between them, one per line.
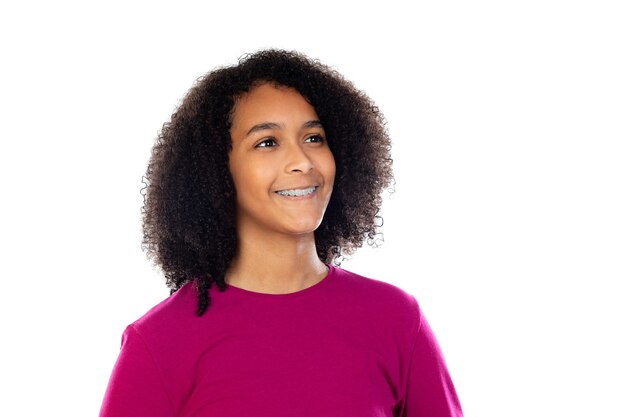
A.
pixel 266 101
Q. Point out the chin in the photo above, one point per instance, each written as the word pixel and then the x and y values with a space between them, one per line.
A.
pixel 302 229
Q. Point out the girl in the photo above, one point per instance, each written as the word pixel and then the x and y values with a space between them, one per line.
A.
pixel 265 175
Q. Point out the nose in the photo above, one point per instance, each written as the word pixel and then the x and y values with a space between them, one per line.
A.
pixel 298 159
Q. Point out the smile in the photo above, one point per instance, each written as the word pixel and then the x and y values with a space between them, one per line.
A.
pixel 297 193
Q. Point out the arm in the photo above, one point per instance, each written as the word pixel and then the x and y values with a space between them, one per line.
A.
pixel 430 391
pixel 136 385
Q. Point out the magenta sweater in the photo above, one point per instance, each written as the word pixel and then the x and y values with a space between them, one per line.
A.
pixel 347 346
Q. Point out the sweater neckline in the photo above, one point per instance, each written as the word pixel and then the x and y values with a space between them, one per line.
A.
pixel 308 290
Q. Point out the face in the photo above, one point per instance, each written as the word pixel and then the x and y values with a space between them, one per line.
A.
pixel 281 165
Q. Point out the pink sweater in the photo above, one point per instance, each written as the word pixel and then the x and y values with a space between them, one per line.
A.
pixel 346 346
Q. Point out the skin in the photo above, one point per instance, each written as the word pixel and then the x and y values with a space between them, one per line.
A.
pixel 278 143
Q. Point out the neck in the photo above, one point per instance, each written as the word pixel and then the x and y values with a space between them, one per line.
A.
pixel 275 264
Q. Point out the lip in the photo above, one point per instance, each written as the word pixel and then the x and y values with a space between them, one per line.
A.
pixel 300 187
pixel 300 197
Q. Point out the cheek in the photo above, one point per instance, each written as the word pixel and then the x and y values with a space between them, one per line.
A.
pixel 251 178
pixel 240 176
pixel 328 164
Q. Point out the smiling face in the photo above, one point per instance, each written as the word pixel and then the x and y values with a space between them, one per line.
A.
pixel 281 165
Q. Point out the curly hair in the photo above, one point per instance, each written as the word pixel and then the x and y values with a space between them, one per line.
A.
pixel 189 198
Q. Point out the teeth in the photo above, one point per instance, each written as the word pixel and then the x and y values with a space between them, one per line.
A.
pixel 296 193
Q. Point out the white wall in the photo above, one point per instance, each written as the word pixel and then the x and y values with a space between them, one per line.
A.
pixel 507 224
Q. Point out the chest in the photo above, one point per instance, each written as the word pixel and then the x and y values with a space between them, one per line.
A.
pixel 274 370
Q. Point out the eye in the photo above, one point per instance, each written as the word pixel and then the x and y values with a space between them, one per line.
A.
pixel 315 139
pixel 266 143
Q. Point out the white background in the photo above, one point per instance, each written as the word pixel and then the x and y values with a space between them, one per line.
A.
pixel 508 221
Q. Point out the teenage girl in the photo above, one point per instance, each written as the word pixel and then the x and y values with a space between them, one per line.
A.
pixel 265 175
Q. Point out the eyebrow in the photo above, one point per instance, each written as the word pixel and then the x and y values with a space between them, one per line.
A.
pixel 271 125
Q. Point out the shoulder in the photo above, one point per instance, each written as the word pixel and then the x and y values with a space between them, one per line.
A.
pixel 169 314
pixel 381 296
pixel 382 290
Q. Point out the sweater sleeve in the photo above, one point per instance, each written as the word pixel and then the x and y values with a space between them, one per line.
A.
pixel 429 391
pixel 136 385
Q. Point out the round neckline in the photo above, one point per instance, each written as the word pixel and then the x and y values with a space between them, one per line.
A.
pixel 307 290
